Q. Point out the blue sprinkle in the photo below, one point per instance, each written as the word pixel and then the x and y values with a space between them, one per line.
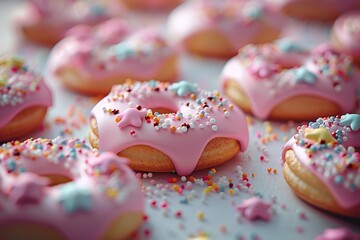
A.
pixel 288 46
pixel 338 179
pixel 303 75
pixel 11 165
pixel 97 10
pixel 183 88
pixel 184 201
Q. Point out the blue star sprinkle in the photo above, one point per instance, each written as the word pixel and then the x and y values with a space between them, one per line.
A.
pixel 351 120
pixel 183 88
pixel 302 74
pixel 73 198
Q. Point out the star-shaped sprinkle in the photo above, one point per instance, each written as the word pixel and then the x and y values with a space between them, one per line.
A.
pixel 351 120
pixel 255 208
pixel 338 234
pixel 285 45
pixel 130 117
pixel 319 135
pixel 28 189
pixel 183 88
pixel 108 162
pixel 302 74
pixel 74 198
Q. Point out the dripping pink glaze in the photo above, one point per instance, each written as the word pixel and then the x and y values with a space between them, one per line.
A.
pixel 282 82
pixel 90 49
pixel 189 19
pixel 348 38
pixel 39 97
pixel 48 211
pixel 61 17
pixel 345 197
pixel 115 139
pixel 329 5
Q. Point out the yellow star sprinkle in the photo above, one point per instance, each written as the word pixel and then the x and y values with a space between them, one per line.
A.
pixel 319 135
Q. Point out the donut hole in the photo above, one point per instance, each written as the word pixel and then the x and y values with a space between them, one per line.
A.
pixel 163 110
pixel 55 180
pixel 288 64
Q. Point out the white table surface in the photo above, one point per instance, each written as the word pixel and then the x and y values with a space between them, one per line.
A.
pixel 221 221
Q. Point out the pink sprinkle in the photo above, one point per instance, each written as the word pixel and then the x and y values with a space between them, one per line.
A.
pixel 164 204
pixel 178 214
pixel 132 133
pixel 262 158
pixel 153 182
pixel 299 229
pixel 153 203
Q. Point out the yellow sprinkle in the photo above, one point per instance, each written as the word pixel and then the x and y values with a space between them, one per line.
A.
pixel 231 192
pixel 200 215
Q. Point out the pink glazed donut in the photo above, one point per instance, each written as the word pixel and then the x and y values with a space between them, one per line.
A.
pixel 322 164
pixel 322 10
pixel 346 34
pixel 93 59
pixel 164 127
pixel 24 99
pixel 47 21
pixel 60 189
pixel 283 81
pixel 218 28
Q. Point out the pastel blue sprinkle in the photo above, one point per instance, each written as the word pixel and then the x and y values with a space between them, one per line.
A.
pixel 288 46
pixel 351 120
pixel 183 88
pixel 303 75
pixel 74 198
pixel 11 165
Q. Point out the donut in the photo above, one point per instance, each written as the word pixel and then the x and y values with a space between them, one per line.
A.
pixel 91 60
pixel 163 127
pixel 322 164
pixel 309 9
pixel 284 81
pixel 151 4
pixel 24 99
pixel 212 28
pixel 55 18
pixel 61 189
pixel 345 34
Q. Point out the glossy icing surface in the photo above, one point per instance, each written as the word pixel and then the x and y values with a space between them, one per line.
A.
pixel 347 31
pixel 283 70
pixel 102 187
pixel 125 118
pixel 326 148
pixel 238 21
pixel 111 48
pixel 20 88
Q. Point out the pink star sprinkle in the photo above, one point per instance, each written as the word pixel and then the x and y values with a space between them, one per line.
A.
pixel 255 208
pixel 131 117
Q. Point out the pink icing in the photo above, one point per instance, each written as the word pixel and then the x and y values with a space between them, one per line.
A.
pixel 347 31
pixel 328 74
pixel 338 234
pixel 194 121
pixel 337 166
pixel 111 49
pixel 237 20
pixel 64 14
pixel 23 88
pixel 93 174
